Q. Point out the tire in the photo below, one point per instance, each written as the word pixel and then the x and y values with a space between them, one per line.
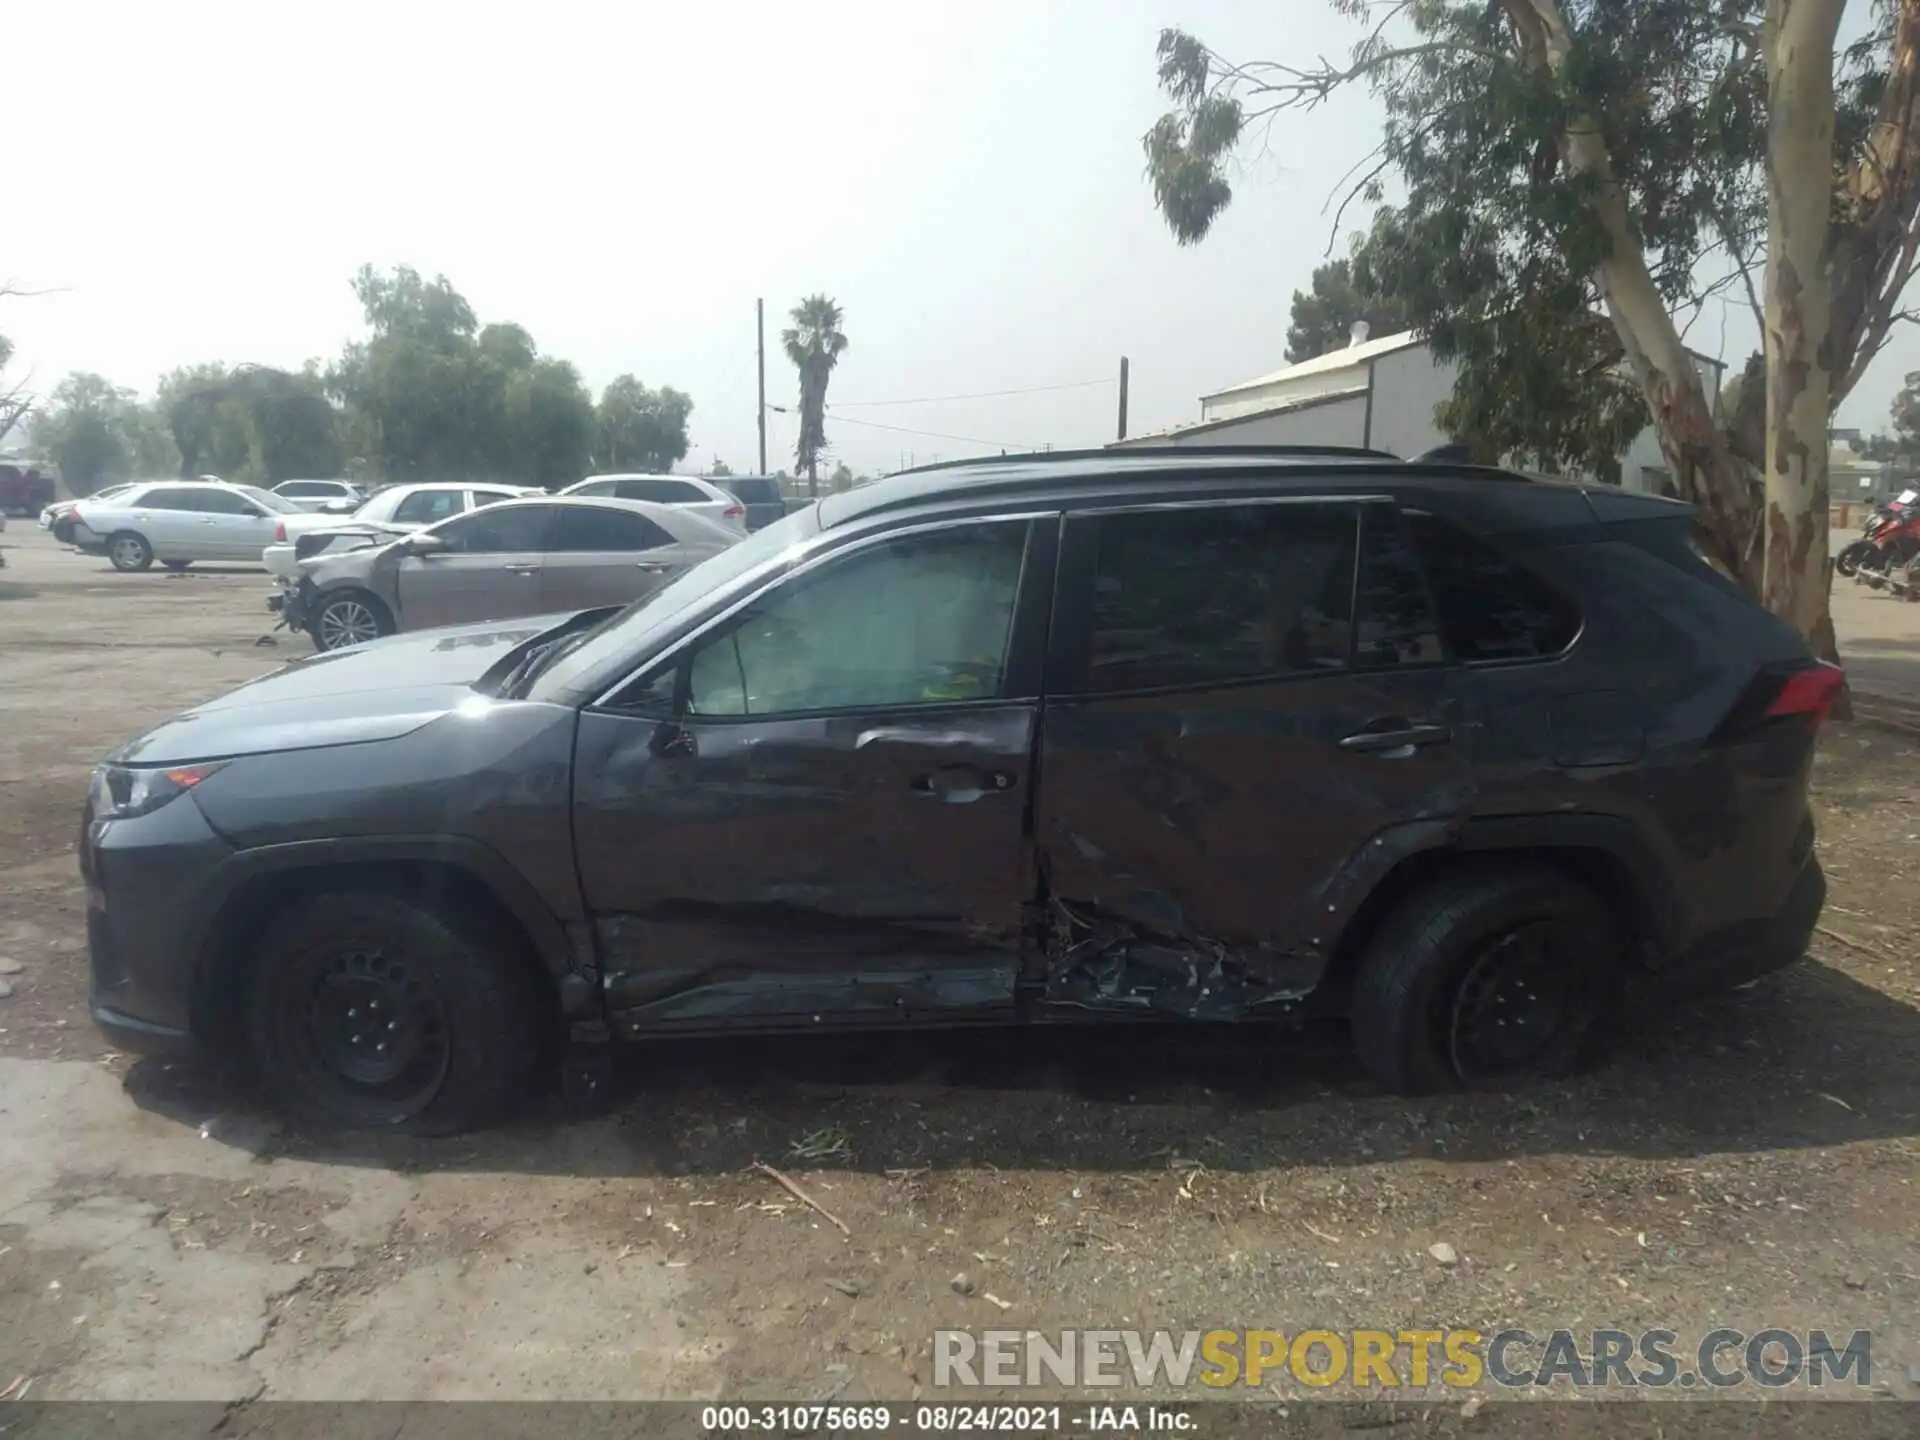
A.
pixel 1449 967
pixel 129 552
pixel 456 996
pixel 341 617
pixel 1848 560
pixel 176 565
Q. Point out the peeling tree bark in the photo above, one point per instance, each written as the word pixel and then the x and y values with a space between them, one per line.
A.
pixel 1799 41
pixel 1705 470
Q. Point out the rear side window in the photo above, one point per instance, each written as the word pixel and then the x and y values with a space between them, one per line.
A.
pixel 171 499
pixel 668 492
pixel 755 492
pixel 589 527
pixel 423 507
pixel 1397 624
pixel 1491 608
pixel 1220 593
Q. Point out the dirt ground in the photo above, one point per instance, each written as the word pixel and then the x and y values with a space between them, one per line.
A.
pixel 1748 1162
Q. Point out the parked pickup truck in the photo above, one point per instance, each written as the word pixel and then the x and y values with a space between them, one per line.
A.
pixel 24 490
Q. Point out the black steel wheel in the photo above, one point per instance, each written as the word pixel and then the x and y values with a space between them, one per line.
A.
pixel 369 1011
pixel 1487 975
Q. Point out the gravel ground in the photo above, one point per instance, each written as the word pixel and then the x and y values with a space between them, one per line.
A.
pixel 1749 1162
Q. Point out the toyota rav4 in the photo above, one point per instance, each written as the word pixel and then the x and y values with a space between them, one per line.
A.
pixel 1456 757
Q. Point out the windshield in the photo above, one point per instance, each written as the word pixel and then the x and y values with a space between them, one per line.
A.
pixel 755 492
pixel 625 636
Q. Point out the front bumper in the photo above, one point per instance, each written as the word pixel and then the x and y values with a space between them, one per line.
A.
pixel 293 603
pixel 148 879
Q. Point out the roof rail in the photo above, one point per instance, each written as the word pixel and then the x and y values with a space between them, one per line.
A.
pixel 1173 452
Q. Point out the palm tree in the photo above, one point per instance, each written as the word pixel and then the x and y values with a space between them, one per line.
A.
pixel 814 344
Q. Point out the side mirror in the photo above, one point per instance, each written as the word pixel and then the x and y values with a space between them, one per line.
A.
pixel 424 544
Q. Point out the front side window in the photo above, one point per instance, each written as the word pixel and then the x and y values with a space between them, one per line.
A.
pixel 1220 593
pixel 1491 608
pixel 499 532
pixel 917 620
pixel 424 507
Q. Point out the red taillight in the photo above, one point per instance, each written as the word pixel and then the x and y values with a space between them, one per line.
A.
pixel 1810 692
pixel 280 533
pixel 735 512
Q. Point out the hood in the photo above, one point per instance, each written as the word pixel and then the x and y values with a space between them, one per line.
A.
pixel 379 691
pixel 308 521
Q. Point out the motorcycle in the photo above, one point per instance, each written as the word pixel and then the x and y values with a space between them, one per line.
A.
pixel 1883 517
pixel 1894 547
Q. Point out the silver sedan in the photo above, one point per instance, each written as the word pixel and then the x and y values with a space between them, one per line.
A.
pixel 519 557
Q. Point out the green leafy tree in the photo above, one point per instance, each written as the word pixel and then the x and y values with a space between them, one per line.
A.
pixel 814 343
pixel 719 470
pixel 642 429
pixel 1581 176
pixel 1325 313
pixel 251 423
pixel 97 432
pixel 842 477
pixel 548 423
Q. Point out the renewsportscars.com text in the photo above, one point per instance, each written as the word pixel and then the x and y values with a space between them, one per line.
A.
pixel 1456 1358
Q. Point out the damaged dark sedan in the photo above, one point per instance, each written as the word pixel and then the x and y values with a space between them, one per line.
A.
pixel 1452 756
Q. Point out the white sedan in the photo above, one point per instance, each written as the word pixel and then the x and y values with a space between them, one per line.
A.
pixel 178 522
pixel 683 492
pixel 396 510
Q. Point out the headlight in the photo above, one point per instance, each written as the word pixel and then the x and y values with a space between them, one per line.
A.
pixel 123 791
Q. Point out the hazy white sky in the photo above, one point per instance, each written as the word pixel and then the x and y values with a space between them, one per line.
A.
pixel 200 181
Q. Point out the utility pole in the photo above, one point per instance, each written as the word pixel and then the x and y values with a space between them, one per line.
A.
pixel 760 353
pixel 1123 398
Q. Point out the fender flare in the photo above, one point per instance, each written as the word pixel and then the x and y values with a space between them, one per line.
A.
pixel 1660 911
pixel 481 863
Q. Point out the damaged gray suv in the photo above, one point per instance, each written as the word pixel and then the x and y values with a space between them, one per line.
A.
pixel 1456 757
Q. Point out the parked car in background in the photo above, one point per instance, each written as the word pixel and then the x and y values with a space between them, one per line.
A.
pixel 761 494
pixel 514 558
pixel 394 510
pixel 323 497
pixel 689 492
pixel 57 518
pixel 180 521
pixel 23 489
pixel 1464 758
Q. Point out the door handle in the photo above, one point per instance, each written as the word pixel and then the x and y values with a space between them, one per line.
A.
pixel 1396 739
pixel 521 569
pixel 959 784
pixel 653 567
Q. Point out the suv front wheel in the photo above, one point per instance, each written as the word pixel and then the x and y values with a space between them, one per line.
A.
pixel 369 1012
pixel 1487 974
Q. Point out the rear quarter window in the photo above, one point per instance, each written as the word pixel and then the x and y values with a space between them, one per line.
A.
pixel 1492 607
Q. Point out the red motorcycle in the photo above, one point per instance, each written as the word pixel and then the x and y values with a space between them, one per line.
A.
pixel 1884 517
pixel 1889 563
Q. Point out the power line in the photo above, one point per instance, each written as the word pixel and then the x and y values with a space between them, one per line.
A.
pixel 979 394
pixel 933 434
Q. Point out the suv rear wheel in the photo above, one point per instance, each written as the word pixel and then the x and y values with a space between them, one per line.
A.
pixel 367 1011
pixel 1485 975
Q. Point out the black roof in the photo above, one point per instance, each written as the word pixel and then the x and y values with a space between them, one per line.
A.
pixel 1060 474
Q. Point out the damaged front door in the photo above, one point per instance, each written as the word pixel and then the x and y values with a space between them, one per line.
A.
pixel 1232 723
pixel 820 805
